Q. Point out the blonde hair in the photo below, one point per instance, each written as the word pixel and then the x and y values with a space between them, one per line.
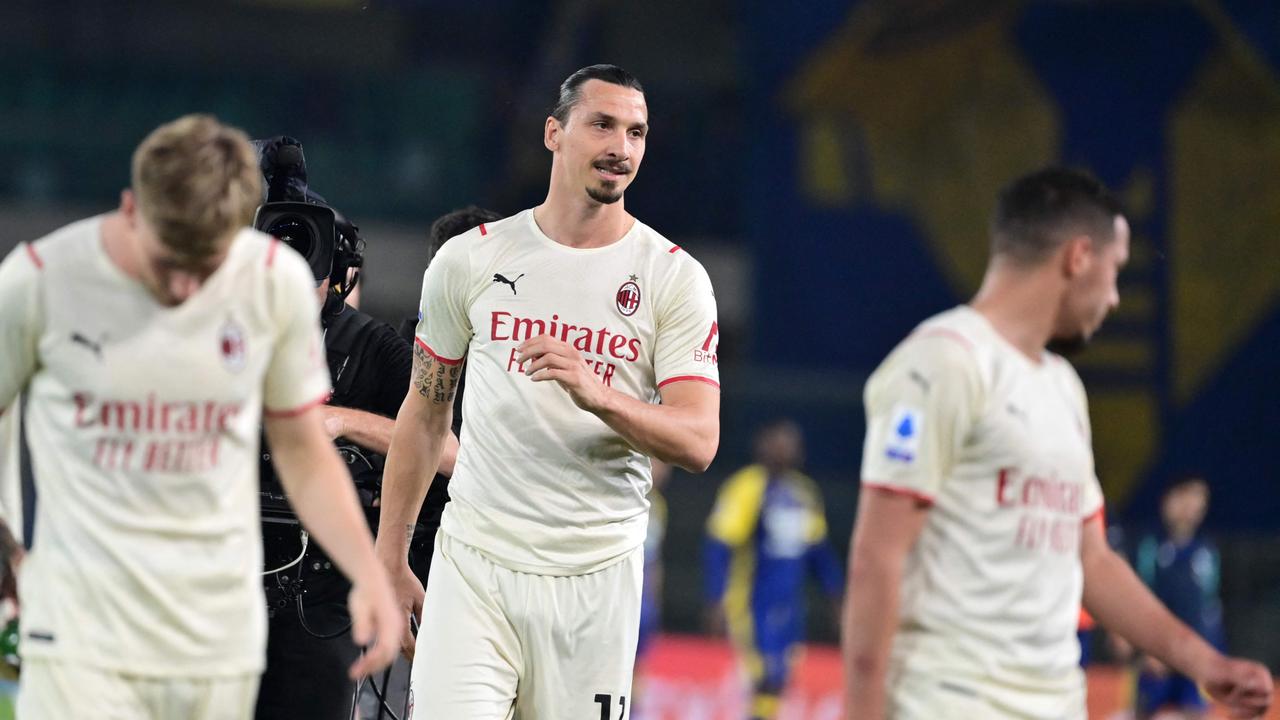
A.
pixel 197 181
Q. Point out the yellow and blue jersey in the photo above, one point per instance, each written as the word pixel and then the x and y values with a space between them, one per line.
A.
pixel 764 537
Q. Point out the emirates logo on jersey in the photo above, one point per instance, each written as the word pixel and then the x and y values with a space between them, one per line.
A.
pixel 628 297
pixel 231 344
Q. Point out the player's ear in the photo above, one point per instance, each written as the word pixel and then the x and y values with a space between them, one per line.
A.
pixel 1077 254
pixel 551 134
pixel 129 207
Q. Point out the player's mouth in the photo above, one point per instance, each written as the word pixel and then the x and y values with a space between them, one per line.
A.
pixel 611 173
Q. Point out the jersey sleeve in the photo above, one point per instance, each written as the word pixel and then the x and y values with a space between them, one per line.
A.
pixel 297 376
pixel 688 335
pixel 444 324
pixel 920 405
pixel 19 322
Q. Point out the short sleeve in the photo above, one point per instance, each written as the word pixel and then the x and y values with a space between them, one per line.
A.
pixel 920 403
pixel 297 376
pixel 20 321
pixel 688 335
pixel 444 325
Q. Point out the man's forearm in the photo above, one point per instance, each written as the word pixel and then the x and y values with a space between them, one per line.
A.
pixel 1118 599
pixel 411 464
pixel 869 623
pixel 363 428
pixel 682 436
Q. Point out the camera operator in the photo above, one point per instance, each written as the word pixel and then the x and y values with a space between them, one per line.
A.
pixel 309 642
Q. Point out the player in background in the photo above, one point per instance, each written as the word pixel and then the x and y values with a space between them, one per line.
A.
pixel 1183 569
pixel 767 533
pixel 980 519
pixel 150 342
pixel 590 346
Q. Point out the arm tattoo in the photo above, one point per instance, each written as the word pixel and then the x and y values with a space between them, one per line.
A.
pixel 408 533
pixel 422 363
pixel 432 379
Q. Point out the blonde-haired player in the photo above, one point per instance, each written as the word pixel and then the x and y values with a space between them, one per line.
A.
pixel 979 524
pixel 150 343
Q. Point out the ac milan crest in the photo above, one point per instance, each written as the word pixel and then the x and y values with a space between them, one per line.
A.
pixel 231 344
pixel 628 297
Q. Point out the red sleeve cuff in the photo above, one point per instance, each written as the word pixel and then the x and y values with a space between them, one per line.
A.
pixel 919 497
pixel 434 354
pixel 688 378
pixel 294 412
pixel 1101 512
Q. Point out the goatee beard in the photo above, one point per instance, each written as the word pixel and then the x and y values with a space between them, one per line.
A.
pixel 603 197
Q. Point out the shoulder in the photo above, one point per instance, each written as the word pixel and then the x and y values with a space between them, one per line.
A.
pixel 65 247
pixel 669 256
pixel 1069 376
pixel 807 487
pixel 743 481
pixel 946 345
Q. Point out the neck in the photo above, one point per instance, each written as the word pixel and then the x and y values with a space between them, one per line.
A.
pixel 1020 304
pixel 117 241
pixel 575 220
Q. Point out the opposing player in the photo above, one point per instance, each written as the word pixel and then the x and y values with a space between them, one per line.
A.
pixel 575 320
pixel 150 342
pixel 980 520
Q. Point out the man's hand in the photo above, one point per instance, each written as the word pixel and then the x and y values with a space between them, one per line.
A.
pixel 376 624
pixel 1243 687
pixel 409 594
pixel 547 358
pixel 334 424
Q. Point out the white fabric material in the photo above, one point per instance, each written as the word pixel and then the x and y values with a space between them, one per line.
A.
pixel 143 423
pixel 1000 445
pixel 568 644
pixel 539 484
pixel 53 689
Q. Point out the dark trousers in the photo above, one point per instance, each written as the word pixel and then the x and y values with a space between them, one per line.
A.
pixel 306 676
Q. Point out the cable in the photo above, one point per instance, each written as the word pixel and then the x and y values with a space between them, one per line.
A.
pixel 382 700
pixel 305 538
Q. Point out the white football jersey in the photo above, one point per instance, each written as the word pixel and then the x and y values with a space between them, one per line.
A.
pixel 143 422
pixel 541 485
pixel 999 445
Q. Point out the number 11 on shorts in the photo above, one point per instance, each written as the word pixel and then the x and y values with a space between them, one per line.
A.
pixel 606 706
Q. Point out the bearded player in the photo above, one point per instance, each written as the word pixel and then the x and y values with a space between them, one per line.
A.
pixel 980 520
pixel 590 344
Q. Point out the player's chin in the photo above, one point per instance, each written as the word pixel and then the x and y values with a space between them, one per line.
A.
pixel 606 193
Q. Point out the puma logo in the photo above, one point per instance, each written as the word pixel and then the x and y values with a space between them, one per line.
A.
pixel 498 278
pixel 94 347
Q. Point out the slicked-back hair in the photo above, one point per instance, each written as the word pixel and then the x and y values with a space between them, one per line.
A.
pixel 455 223
pixel 1036 213
pixel 571 88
